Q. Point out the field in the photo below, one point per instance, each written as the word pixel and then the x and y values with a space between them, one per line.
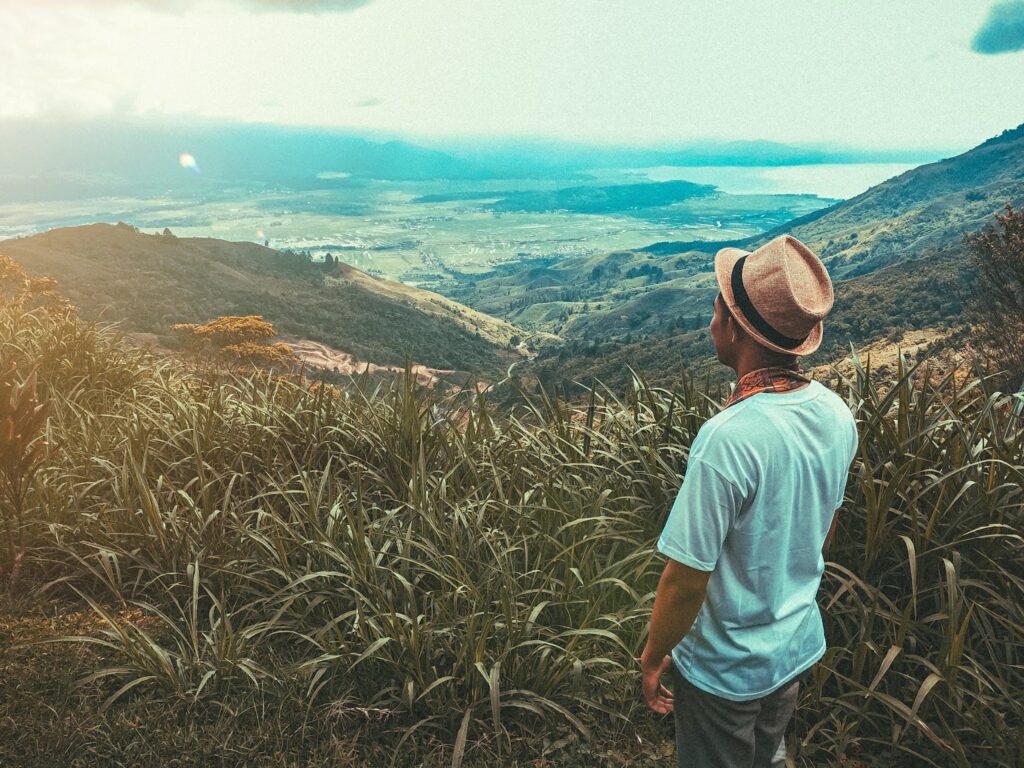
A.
pixel 248 571
pixel 378 227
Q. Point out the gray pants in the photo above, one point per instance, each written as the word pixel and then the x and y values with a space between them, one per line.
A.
pixel 712 732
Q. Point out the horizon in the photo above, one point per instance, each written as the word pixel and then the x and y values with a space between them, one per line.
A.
pixel 483 143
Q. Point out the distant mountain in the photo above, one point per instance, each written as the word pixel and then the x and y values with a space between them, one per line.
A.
pixel 924 210
pixel 67 159
pixel 561 158
pixel 74 159
pixel 150 282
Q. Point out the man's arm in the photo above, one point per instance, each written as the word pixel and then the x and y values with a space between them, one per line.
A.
pixel 680 595
pixel 831 534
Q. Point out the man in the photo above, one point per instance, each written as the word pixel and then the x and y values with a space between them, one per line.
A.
pixel 735 616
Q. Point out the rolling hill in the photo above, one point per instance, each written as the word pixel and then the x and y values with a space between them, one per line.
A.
pixel 895 253
pixel 922 293
pixel 149 282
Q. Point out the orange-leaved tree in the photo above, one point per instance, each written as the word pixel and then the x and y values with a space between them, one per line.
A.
pixel 29 292
pixel 238 341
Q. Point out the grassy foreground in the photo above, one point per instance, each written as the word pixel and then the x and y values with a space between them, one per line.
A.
pixel 252 572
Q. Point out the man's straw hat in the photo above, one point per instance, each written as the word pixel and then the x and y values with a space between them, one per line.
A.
pixel 779 293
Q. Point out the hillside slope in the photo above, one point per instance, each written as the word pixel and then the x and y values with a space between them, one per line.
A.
pixel 885 304
pixel 928 208
pixel 153 281
pixel 909 229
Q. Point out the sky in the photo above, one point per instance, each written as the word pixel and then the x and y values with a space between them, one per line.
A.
pixel 941 74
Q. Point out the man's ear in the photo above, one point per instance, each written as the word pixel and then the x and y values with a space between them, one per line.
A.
pixel 734 328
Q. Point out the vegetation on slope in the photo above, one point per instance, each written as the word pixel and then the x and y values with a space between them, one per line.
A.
pixel 264 575
pixel 585 199
pixel 924 210
pixel 997 303
pixel 151 282
pixel 893 252
pixel 923 293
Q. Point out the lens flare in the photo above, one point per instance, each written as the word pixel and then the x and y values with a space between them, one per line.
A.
pixel 260 235
pixel 185 160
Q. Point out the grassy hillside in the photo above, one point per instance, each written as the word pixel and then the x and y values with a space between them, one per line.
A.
pixel 247 572
pixel 894 253
pixel 153 281
pixel 920 293
pixel 921 211
pixel 925 209
pixel 605 290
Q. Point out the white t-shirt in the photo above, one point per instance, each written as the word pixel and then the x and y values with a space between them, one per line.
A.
pixel 763 481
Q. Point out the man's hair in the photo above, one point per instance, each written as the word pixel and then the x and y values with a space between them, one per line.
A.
pixel 720 299
pixel 770 357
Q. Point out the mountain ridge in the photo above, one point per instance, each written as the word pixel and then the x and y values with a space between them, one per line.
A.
pixel 149 282
pixel 974 184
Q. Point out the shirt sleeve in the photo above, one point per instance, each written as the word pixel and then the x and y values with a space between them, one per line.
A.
pixel 703 513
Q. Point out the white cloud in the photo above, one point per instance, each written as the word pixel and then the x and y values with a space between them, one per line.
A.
pixel 287 6
pixel 48 74
pixel 306 6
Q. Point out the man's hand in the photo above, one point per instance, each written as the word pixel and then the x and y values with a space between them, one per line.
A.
pixel 657 697
pixel 680 595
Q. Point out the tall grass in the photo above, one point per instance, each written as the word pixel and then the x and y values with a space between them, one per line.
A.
pixel 477 584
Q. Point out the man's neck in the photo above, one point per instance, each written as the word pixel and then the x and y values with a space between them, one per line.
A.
pixel 746 363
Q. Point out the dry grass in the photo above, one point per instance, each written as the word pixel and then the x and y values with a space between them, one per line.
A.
pixel 395 577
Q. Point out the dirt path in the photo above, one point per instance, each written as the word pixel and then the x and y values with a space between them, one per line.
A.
pixel 319 355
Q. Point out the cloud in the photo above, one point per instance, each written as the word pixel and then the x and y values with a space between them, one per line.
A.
pixel 306 6
pixel 1003 30
pixel 373 101
pixel 265 6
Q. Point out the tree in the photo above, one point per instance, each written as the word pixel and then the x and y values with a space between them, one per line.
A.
pixel 996 308
pixel 238 341
pixel 30 292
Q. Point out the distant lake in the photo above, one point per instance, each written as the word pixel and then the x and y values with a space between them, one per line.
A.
pixel 835 180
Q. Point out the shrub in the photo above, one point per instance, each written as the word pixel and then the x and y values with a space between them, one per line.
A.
pixel 997 304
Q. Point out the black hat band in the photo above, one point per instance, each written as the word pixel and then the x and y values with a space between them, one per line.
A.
pixel 760 324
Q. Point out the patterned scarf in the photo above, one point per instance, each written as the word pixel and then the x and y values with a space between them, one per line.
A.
pixel 767 380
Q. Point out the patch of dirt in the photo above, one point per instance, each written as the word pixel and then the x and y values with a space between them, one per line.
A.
pixel 935 348
pixel 317 355
pixel 148 341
